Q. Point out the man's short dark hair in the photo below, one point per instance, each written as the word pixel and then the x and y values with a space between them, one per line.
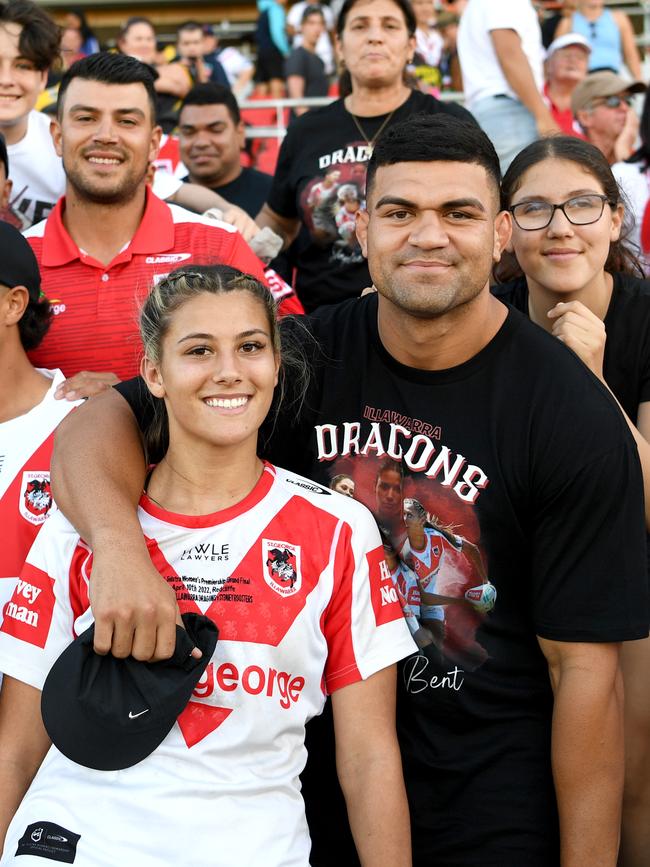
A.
pixel 431 138
pixel 312 10
pixel 213 94
pixel 40 38
pixel 110 68
pixel 189 26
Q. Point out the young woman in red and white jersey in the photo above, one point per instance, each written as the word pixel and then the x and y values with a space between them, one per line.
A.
pixel 295 579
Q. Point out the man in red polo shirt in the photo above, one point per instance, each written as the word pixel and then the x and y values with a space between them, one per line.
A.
pixel 109 237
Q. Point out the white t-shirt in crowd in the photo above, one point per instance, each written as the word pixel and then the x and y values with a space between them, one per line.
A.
pixel 482 74
pixel 233 62
pixel 36 171
pixel 324 45
pixel 429 45
pixel 294 576
pixel 634 183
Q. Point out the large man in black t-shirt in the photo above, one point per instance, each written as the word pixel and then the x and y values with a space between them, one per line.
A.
pixel 511 731
pixel 211 137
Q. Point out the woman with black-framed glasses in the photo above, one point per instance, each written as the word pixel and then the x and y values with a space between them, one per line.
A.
pixel 579 280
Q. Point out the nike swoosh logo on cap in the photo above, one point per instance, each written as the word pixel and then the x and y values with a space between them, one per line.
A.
pixel 136 715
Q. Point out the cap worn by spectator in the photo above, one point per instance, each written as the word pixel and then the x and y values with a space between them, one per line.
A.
pixel 18 265
pixel 565 41
pixel 600 85
pixel 109 714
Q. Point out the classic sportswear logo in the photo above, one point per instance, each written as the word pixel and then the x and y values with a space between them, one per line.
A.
pixel 169 259
pixel 308 486
pixel 136 715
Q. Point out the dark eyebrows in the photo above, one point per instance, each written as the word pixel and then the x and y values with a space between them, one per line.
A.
pixel 92 109
pixel 384 18
pixel 394 200
pixel 572 195
pixel 196 336
pixel 464 203
pixel 445 206
pixel 241 336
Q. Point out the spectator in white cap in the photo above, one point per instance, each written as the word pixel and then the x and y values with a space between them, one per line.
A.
pixel 601 104
pixel 567 59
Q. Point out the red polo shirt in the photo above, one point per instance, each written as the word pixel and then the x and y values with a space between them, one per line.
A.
pixel 564 119
pixel 96 306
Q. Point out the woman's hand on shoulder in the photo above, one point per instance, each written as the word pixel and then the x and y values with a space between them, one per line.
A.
pixel 582 331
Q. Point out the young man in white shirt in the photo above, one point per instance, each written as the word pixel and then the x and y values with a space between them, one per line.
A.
pixel 29 44
pixel 501 55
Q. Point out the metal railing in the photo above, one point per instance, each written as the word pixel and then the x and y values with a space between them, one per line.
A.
pixel 279 129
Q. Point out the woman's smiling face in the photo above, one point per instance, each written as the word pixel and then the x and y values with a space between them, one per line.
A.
pixel 563 257
pixel 218 369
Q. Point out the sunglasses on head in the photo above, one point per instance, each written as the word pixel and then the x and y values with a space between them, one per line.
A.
pixel 613 101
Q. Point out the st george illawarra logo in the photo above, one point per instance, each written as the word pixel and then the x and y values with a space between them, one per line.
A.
pixel 281 565
pixel 35 497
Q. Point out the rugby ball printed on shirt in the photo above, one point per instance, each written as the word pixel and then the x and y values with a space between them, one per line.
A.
pixel 282 566
pixel 35 496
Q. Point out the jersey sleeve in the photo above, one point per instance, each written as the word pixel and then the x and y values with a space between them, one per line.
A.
pixel 363 624
pixel 38 620
pixel 588 559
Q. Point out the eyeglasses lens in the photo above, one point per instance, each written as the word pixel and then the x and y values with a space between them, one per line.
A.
pixel 616 101
pixel 580 211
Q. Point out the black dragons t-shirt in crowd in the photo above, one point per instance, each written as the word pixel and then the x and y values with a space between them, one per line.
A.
pixel 321 179
pixel 499 469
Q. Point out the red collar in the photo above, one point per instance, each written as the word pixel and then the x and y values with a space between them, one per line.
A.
pixel 155 234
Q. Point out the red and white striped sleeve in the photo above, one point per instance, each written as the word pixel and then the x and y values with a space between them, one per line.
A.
pixel 363 624
pixel 38 621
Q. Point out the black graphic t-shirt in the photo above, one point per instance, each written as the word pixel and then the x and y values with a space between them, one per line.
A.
pixel 626 365
pixel 492 484
pixel 321 179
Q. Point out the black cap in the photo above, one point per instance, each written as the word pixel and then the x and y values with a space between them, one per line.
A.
pixel 109 714
pixel 18 265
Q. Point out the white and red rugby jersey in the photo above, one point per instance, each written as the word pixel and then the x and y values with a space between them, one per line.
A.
pixel 25 498
pixel 295 579
pixel 96 306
